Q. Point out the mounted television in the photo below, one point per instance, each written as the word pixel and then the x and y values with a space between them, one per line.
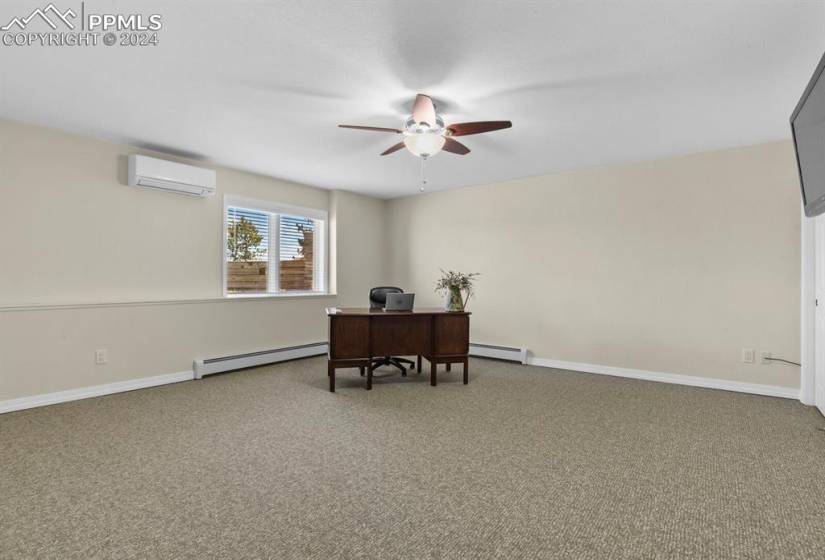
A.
pixel 808 127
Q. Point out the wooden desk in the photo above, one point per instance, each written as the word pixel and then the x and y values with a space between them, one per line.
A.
pixel 359 335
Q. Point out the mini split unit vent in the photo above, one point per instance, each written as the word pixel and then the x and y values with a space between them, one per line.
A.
pixel 169 176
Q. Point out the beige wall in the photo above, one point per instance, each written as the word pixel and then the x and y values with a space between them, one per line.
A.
pixel 79 234
pixel 71 232
pixel 670 266
pixel 361 242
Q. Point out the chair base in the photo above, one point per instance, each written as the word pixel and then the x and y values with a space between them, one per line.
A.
pixel 393 361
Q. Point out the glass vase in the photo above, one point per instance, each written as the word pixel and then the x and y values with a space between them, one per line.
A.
pixel 454 300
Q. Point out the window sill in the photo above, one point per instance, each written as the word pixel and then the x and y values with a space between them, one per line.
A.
pixel 286 295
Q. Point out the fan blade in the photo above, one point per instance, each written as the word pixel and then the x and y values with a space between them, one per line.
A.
pixel 424 110
pixel 372 128
pixel 464 129
pixel 455 147
pixel 392 149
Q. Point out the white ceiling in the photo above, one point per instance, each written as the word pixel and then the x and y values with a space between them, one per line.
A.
pixel 262 85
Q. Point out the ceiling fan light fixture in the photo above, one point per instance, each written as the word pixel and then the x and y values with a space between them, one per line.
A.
pixel 424 133
pixel 424 144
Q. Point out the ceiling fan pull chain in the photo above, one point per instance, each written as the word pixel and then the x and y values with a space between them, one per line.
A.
pixel 423 180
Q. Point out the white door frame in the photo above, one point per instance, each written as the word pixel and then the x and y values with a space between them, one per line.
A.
pixel 819 314
pixel 807 303
pixel 812 376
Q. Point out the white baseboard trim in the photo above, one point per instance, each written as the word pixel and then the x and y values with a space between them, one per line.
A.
pixel 675 378
pixel 94 391
pixel 46 399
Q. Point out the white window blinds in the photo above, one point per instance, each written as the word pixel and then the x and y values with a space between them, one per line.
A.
pixel 272 249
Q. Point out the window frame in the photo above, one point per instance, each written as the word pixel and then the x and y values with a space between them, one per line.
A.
pixel 320 252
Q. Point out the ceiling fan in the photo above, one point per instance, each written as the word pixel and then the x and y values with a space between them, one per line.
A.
pixel 425 133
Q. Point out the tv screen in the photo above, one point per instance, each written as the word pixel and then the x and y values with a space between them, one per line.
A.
pixel 808 127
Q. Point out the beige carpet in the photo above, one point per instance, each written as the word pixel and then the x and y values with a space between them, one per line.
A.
pixel 522 463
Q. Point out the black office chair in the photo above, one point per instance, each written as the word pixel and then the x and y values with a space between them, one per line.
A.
pixel 378 299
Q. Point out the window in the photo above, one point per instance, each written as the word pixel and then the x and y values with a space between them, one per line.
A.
pixel 273 249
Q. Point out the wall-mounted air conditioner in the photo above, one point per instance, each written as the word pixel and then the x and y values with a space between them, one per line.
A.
pixel 153 173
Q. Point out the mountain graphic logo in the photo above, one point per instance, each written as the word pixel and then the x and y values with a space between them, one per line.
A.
pixel 49 14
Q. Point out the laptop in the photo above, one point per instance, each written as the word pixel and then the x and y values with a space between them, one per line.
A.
pixel 399 302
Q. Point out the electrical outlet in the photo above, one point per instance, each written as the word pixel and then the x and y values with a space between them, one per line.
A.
pixel 101 357
pixel 766 357
pixel 748 355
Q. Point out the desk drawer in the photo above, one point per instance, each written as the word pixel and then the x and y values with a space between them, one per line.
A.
pixel 400 336
pixel 452 335
pixel 349 337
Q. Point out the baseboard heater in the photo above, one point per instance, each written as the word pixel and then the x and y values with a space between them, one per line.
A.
pixel 252 359
pixel 499 352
